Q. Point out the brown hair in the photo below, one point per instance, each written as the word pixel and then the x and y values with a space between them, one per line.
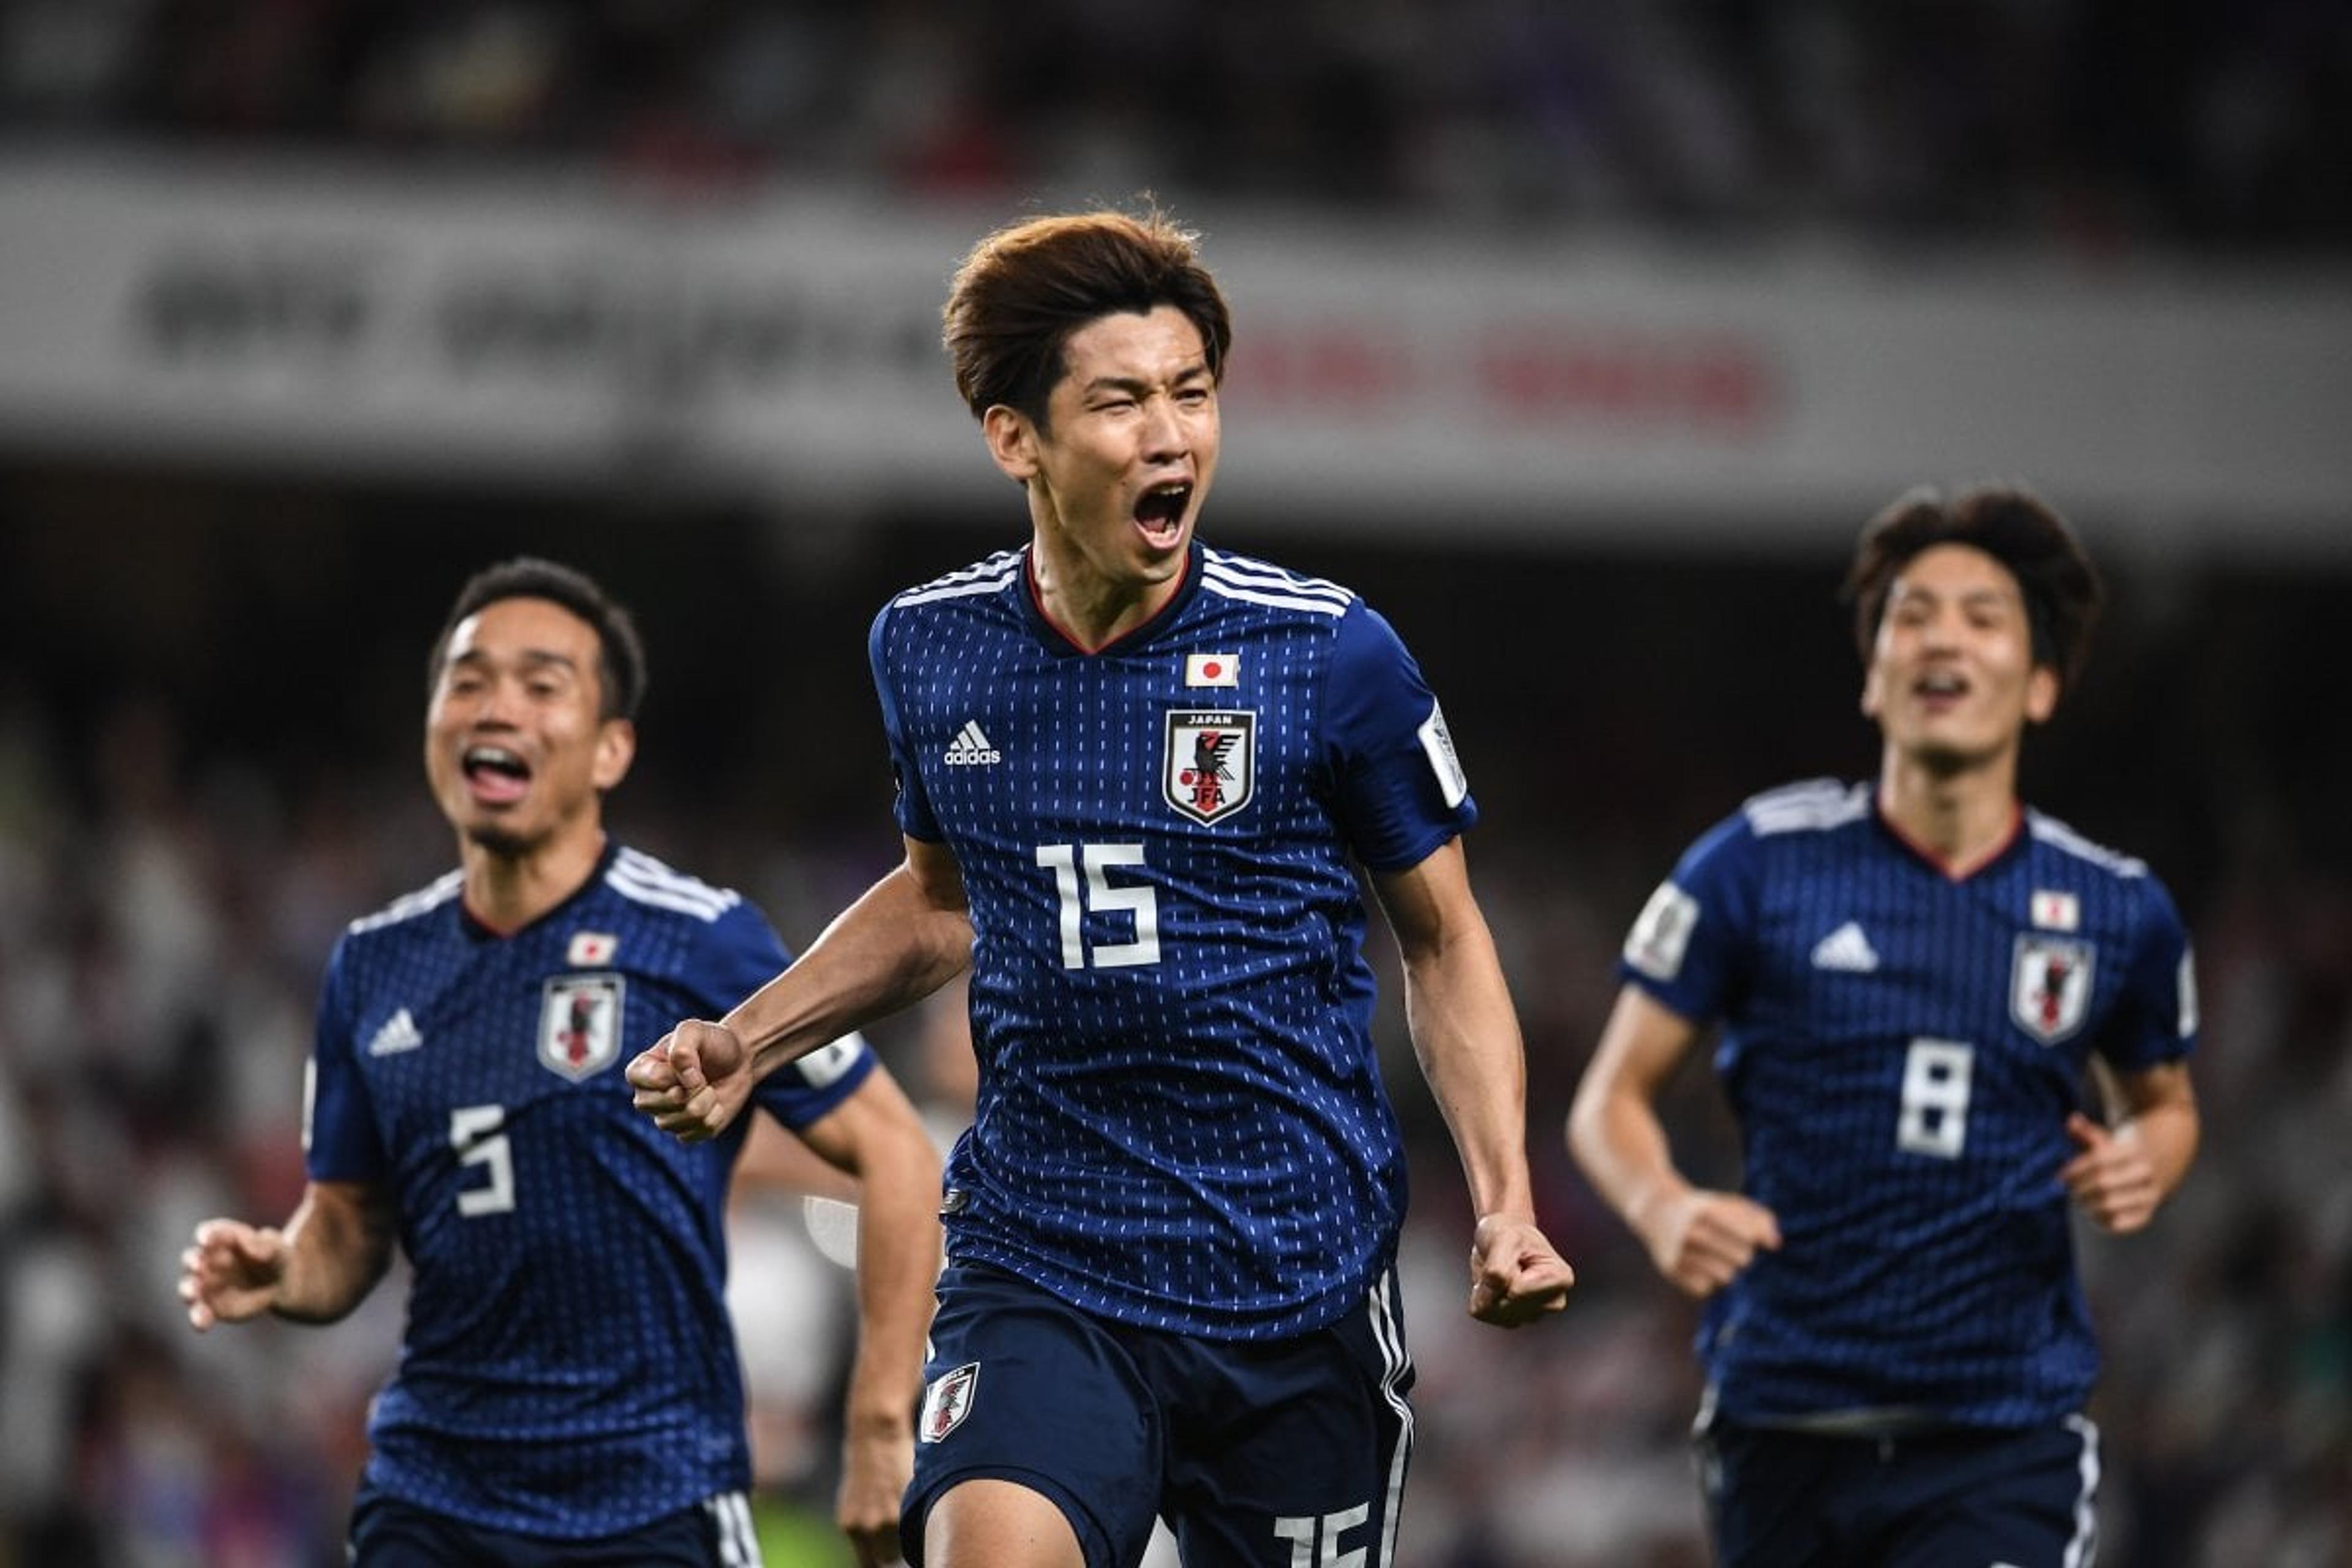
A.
pixel 2062 589
pixel 1025 288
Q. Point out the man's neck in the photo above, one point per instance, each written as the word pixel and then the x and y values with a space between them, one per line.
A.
pixel 507 893
pixel 1091 611
pixel 1961 817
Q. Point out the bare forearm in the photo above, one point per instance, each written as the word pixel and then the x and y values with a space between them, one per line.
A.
pixel 338 1244
pixel 887 950
pixel 898 1264
pixel 1622 1147
pixel 1466 1037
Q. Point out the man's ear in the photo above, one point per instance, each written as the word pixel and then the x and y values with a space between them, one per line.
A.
pixel 616 748
pixel 1012 441
pixel 2042 689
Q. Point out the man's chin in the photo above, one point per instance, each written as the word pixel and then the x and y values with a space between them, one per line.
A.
pixel 1951 761
pixel 498 839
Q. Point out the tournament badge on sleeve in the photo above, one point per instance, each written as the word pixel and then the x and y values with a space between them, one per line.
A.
pixel 580 1025
pixel 2050 987
pixel 1210 767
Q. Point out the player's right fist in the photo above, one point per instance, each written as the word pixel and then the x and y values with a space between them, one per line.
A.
pixel 693 1080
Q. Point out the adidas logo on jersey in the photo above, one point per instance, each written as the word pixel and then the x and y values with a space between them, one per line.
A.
pixel 399 1034
pixel 1846 948
pixel 971 749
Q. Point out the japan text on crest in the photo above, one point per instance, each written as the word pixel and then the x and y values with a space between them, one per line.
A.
pixel 1209 769
pixel 580 1025
pixel 2050 987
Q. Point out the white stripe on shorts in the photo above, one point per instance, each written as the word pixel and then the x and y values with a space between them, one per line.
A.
pixel 1388 1332
pixel 730 1525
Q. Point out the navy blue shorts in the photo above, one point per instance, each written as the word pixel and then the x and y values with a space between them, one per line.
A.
pixel 1952 1497
pixel 1290 1451
pixel 389 1533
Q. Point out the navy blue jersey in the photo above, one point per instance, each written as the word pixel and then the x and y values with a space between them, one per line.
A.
pixel 1181 1122
pixel 1902 1050
pixel 569 1368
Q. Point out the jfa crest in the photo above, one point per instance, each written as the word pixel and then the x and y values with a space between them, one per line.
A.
pixel 948 1401
pixel 2050 987
pixel 580 1025
pixel 1210 768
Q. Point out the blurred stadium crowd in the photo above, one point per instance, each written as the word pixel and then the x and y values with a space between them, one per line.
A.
pixel 193 800
pixel 2089 123
pixel 210 688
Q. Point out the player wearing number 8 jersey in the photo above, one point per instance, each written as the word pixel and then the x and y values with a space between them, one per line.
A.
pixel 1135 776
pixel 1912 979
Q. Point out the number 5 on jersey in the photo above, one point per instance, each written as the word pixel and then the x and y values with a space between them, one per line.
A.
pixel 1099 895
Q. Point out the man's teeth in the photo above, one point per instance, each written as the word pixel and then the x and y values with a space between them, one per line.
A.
pixel 497 757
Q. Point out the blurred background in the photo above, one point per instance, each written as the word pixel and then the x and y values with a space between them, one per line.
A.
pixel 1580 340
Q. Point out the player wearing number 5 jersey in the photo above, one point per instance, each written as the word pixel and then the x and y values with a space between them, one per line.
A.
pixel 568 1389
pixel 1136 778
pixel 1915 980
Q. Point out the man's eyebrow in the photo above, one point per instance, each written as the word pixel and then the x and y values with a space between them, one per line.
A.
pixel 1137 386
pixel 530 658
pixel 1976 594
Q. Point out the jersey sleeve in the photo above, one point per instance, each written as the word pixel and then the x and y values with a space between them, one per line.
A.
pixel 2156 1020
pixel 1402 791
pixel 338 1133
pixel 913 807
pixel 742 953
pixel 1685 948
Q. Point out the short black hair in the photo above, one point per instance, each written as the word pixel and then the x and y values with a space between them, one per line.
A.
pixel 620 655
pixel 2062 589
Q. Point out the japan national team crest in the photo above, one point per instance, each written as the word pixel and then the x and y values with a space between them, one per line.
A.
pixel 2050 987
pixel 948 1401
pixel 1210 768
pixel 580 1025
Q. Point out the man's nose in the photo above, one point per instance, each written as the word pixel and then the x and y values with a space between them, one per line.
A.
pixel 1164 432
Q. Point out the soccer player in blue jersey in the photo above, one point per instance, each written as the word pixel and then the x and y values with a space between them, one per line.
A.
pixel 1136 778
pixel 1917 980
pixel 568 1389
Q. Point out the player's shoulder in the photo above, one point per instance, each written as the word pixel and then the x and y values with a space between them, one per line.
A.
pixel 1238 579
pixel 2072 845
pixel 1808 805
pixel 656 890
pixel 990 576
pixel 408 909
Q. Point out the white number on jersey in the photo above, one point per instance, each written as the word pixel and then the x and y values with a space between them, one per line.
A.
pixel 1100 896
pixel 1936 1098
pixel 474 1134
pixel 1303 1533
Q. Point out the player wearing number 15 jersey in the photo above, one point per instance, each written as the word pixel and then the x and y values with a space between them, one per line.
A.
pixel 568 1388
pixel 1136 776
pixel 1914 980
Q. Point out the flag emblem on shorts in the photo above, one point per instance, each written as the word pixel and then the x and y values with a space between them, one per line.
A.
pixel 2050 987
pixel 948 1401
pixel 1209 769
pixel 580 1025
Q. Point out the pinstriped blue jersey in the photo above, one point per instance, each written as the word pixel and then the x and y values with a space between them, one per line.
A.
pixel 1180 1122
pixel 569 1367
pixel 1902 1048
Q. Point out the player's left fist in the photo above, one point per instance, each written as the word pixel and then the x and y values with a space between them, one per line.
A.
pixel 1516 1277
